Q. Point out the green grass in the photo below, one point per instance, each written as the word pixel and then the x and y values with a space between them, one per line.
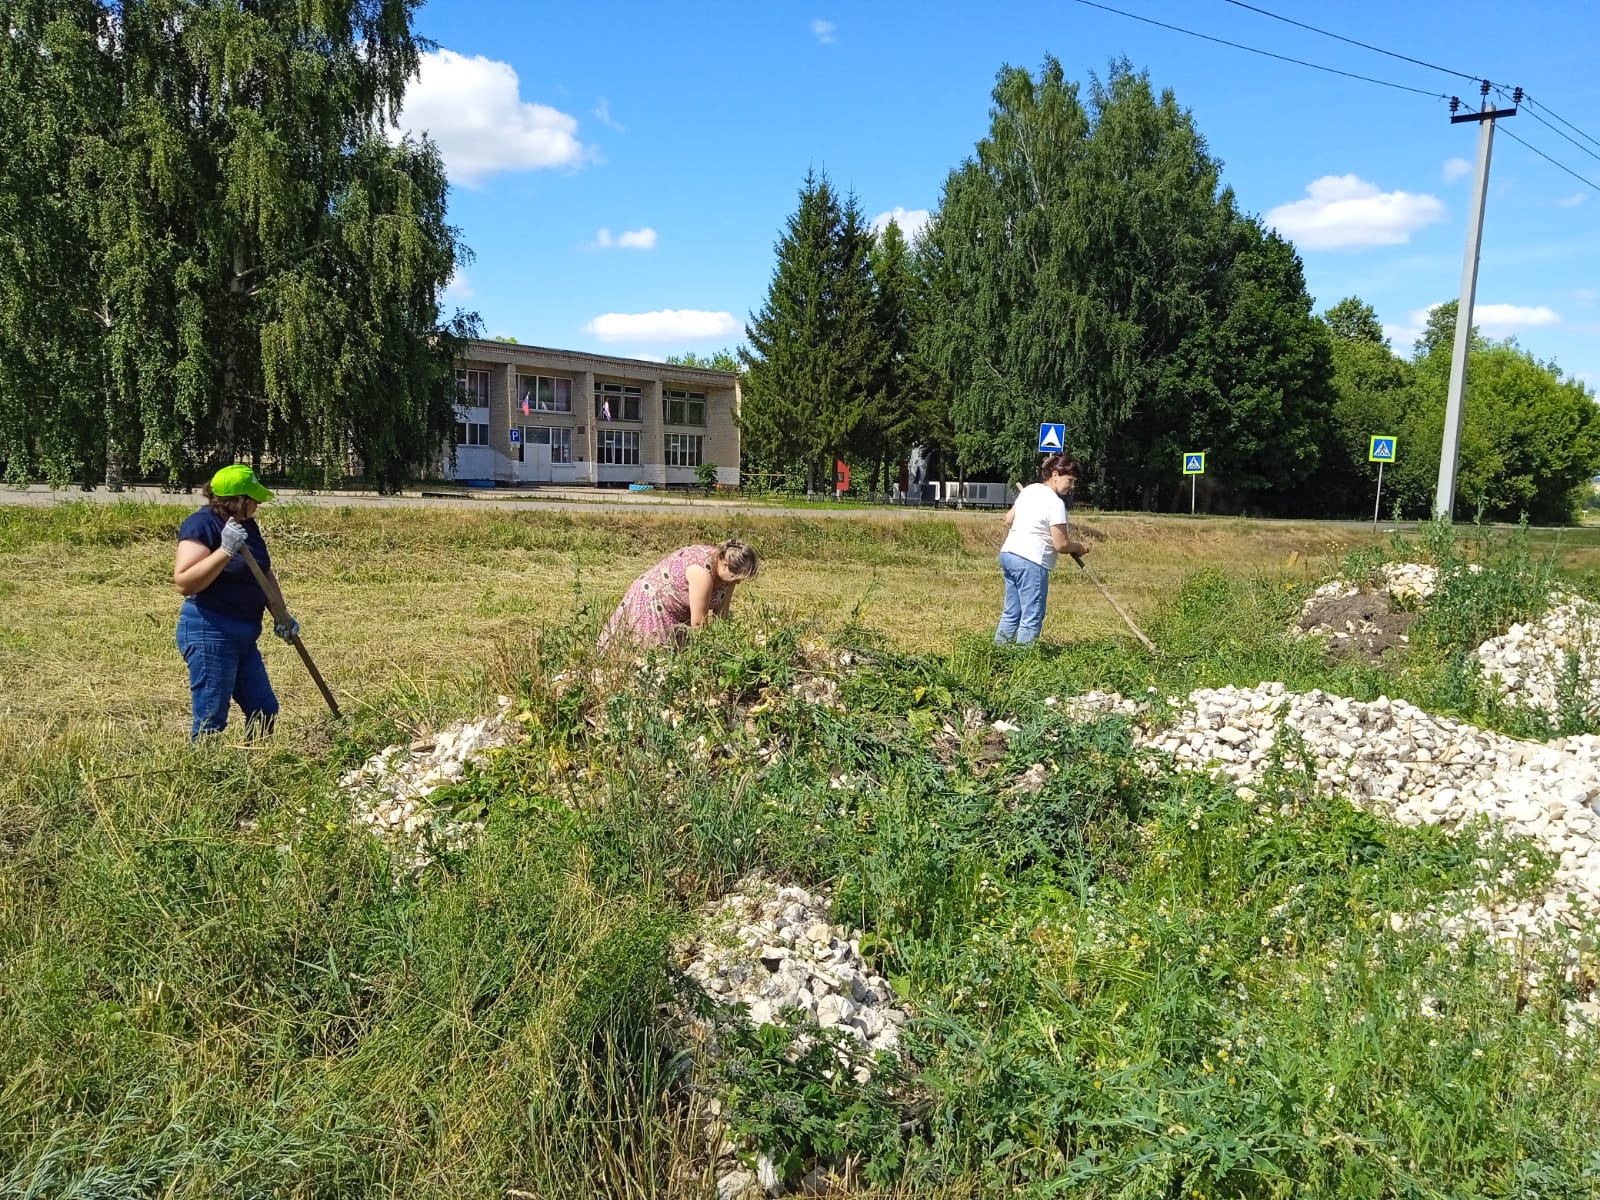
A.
pixel 1131 984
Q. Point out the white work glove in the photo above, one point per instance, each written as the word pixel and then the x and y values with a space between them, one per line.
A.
pixel 288 632
pixel 234 537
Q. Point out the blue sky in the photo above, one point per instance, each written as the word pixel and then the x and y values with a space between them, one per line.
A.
pixel 622 170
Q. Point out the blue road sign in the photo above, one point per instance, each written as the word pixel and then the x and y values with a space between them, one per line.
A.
pixel 1382 449
pixel 1052 438
pixel 516 436
pixel 1194 463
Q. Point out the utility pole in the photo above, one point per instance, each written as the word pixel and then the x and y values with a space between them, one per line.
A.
pixel 1444 500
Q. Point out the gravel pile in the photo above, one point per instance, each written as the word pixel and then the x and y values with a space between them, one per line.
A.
pixel 1411 582
pixel 1530 664
pixel 772 948
pixel 1393 757
pixel 390 791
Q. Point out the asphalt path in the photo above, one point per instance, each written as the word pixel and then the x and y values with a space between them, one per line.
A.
pixel 572 500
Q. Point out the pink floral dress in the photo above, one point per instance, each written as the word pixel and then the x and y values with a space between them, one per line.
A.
pixel 655 608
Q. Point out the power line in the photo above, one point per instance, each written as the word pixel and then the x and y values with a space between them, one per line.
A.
pixel 1554 130
pixel 1299 62
pixel 1353 42
pixel 1560 166
pixel 1558 117
pixel 1534 104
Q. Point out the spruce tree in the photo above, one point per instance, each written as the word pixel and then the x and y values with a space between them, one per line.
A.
pixel 880 436
pixel 812 355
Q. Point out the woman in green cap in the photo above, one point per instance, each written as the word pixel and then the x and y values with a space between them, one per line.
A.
pixel 223 604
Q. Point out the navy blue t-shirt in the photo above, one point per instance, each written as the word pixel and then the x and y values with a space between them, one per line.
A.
pixel 234 594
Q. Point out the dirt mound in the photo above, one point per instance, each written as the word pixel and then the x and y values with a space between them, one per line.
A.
pixel 1364 625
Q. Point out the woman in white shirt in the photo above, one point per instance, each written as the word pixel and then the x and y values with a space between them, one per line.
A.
pixel 1037 525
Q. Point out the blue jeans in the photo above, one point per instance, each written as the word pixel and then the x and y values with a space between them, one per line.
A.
pixel 1027 588
pixel 224 665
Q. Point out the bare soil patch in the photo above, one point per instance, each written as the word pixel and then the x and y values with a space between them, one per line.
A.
pixel 1363 625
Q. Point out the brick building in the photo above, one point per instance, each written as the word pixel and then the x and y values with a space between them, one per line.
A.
pixel 532 415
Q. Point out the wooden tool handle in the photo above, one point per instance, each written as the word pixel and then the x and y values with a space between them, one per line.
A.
pixel 280 614
pixel 1112 600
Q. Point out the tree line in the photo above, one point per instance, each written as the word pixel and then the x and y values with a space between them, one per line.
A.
pixel 210 249
pixel 1087 265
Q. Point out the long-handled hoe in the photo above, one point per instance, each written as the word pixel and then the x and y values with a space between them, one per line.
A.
pixel 1112 600
pixel 280 614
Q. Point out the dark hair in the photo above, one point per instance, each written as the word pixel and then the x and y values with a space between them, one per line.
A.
pixel 226 507
pixel 1059 464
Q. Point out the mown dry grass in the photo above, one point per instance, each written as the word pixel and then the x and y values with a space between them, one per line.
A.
pixel 419 598
pixel 214 985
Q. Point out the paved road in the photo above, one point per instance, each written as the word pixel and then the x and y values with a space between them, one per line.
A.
pixel 586 500
pixel 571 500
pixel 496 501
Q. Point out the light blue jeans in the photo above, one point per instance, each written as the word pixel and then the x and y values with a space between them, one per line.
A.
pixel 224 665
pixel 1027 589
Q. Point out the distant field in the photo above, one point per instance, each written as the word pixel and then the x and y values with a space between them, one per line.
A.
pixel 419 598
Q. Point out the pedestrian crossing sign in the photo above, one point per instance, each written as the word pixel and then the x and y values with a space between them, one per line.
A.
pixel 1194 463
pixel 1052 438
pixel 1382 449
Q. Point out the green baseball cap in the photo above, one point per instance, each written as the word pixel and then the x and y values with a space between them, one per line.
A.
pixel 239 480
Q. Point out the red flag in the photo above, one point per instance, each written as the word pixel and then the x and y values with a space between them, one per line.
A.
pixel 524 406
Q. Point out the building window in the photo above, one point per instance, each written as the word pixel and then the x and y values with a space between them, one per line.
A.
pixel 686 408
pixel 617 402
pixel 472 433
pixel 619 448
pixel 474 388
pixel 540 393
pixel 684 449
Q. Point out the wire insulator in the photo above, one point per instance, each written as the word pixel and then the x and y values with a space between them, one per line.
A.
pixel 1483 88
pixel 1455 103
pixel 1516 96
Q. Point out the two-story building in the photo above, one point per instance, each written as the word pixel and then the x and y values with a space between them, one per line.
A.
pixel 532 415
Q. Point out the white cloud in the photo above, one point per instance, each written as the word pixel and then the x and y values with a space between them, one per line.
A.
pixel 1344 212
pixel 668 325
pixel 632 239
pixel 825 32
pixel 1456 168
pixel 1496 319
pixel 1586 296
pixel 458 289
pixel 602 113
pixel 912 222
pixel 1572 201
pixel 1492 320
pixel 473 109
pixel 1402 337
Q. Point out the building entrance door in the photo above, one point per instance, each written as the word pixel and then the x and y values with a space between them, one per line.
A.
pixel 533 465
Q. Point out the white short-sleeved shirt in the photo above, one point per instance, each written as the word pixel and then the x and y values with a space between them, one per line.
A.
pixel 1037 508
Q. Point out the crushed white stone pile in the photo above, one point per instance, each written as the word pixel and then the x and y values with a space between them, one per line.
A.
pixel 1412 581
pixel 772 948
pixel 1409 582
pixel 1406 581
pixel 1530 663
pixel 1392 757
pixel 390 791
